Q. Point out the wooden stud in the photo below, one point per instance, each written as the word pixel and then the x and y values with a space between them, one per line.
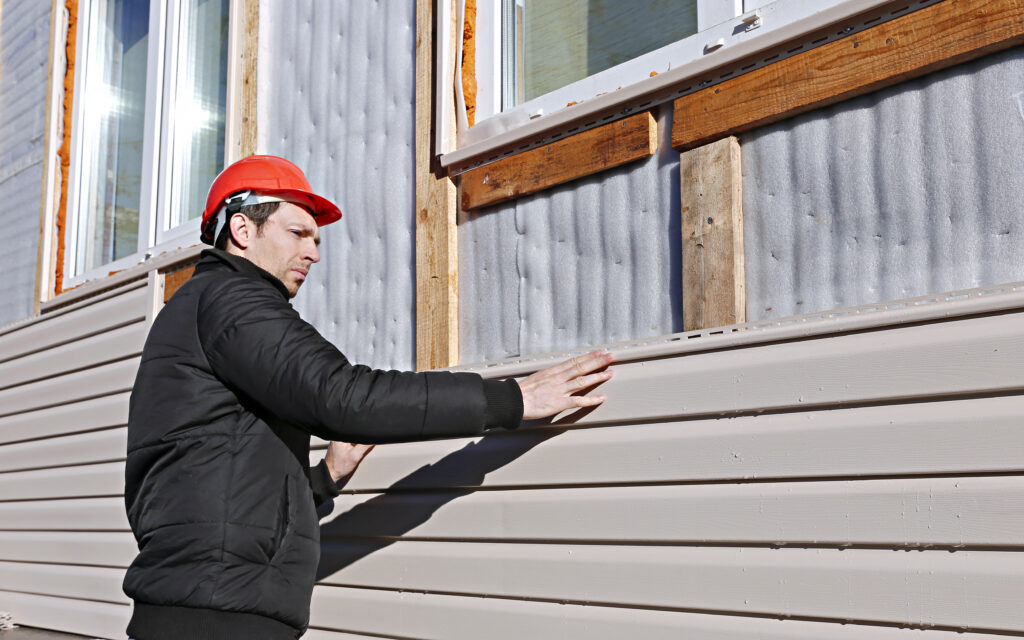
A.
pixel 174 279
pixel 437 276
pixel 712 224
pixel 604 147
pixel 249 78
pixel 912 45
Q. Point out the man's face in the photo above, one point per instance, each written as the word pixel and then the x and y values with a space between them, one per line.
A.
pixel 286 246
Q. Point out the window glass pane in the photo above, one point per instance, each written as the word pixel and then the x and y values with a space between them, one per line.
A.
pixel 112 124
pixel 200 99
pixel 557 42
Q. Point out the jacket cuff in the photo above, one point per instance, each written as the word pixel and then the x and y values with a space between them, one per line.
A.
pixel 504 404
pixel 322 484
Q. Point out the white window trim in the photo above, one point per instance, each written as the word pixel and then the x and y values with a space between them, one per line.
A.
pixel 155 196
pixel 625 84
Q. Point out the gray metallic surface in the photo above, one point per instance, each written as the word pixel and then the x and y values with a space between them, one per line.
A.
pixel 24 42
pixel 593 261
pixel 908 191
pixel 336 96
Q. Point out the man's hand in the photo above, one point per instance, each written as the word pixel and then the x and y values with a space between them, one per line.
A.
pixel 551 390
pixel 343 458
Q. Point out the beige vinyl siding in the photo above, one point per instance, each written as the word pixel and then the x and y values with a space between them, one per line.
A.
pixel 64 538
pixel 846 478
pixel 755 484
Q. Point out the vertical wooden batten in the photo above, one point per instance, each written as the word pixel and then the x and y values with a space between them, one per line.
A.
pixel 437 277
pixel 712 227
pixel 248 121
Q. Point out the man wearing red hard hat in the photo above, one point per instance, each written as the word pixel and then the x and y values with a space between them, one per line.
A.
pixel 232 385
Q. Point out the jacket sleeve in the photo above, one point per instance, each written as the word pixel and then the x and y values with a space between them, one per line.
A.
pixel 260 348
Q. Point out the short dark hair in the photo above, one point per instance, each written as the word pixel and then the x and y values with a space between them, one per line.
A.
pixel 258 213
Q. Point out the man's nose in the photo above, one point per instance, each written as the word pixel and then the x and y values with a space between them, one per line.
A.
pixel 312 252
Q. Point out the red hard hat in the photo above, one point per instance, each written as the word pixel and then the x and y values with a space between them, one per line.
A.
pixel 265 175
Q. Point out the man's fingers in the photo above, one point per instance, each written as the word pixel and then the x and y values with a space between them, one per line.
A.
pixel 584 382
pixel 585 401
pixel 582 365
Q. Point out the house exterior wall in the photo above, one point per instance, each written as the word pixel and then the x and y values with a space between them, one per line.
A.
pixel 24 50
pixel 911 190
pixel 851 478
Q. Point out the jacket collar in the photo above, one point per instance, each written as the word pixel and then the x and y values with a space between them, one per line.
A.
pixel 216 259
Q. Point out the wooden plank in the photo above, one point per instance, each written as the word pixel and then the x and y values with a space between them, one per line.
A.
pixel 85 514
pixel 97 446
pixel 427 615
pixel 948 512
pixel 174 279
pixel 90 480
pixel 112 378
pixel 250 52
pixel 437 275
pixel 582 154
pixel 116 344
pixel 109 548
pixel 712 225
pixel 933 38
pixel 97 413
pixel 97 619
pixel 94 318
pixel 963 436
pixel 64 581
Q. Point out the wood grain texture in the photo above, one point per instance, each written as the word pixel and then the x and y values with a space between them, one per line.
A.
pixel 437 275
pixel 248 128
pixel 455 617
pixel 712 226
pixel 871 585
pixel 926 40
pixel 585 153
pixel 174 279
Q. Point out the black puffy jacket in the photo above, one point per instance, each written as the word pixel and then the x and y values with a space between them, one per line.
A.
pixel 217 484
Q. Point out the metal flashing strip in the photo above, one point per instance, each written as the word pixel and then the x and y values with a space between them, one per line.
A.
pixel 939 307
pixel 728 62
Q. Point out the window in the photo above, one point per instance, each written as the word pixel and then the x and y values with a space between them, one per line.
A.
pixel 544 66
pixel 148 129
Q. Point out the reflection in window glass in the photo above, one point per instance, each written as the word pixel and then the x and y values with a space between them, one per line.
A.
pixel 556 42
pixel 200 99
pixel 112 125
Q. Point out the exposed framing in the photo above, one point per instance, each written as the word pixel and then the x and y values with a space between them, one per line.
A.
pixel 594 150
pixel 906 47
pixel 710 192
pixel 437 275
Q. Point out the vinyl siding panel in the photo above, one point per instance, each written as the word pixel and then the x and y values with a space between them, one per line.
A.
pixel 64 382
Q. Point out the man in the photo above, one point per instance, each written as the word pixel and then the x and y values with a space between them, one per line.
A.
pixel 231 386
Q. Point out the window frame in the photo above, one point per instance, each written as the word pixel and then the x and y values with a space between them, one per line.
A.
pixel 719 41
pixel 154 236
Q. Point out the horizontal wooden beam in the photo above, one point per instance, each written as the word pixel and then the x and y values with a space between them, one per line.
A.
pixel 585 153
pixel 912 45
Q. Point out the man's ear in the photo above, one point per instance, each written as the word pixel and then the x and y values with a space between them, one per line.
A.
pixel 239 230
